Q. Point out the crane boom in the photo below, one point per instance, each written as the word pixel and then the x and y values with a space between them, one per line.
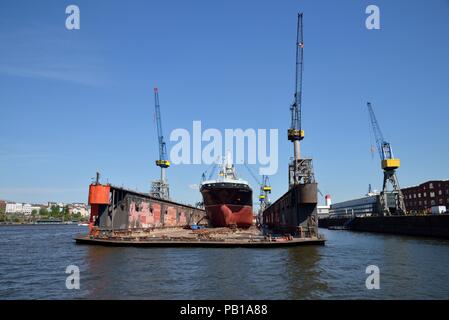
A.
pixel 162 162
pixel 383 147
pixel 295 133
pixel 212 168
pixel 296 114
pixel 253 174
pixel 376 129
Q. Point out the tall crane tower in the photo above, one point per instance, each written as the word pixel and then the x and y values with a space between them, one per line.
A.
pixel 160 188
pixel 389 165
pixel 300 170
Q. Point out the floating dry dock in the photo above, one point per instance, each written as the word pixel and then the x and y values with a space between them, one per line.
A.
pixel 122 217
pixel 208 237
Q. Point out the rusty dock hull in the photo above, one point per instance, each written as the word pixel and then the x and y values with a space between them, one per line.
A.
pixel 252 237
pixel 295 212
pixel 198 243
pixel 114 208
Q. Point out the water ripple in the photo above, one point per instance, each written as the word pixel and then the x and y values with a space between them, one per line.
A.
pixel 34 260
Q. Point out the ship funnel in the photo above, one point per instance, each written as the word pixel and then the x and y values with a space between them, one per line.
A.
pixel 328 200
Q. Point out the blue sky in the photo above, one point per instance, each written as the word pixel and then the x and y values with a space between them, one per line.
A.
pixel 74 102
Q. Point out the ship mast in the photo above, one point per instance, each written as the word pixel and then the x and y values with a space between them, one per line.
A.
pixel 228 170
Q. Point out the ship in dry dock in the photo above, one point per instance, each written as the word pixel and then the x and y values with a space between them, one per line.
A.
pixel 228 200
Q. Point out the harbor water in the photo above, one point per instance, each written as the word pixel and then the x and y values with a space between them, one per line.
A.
pixel 34 259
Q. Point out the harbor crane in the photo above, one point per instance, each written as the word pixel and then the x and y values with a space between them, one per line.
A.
pixel 300 170
pixel 265 189
pixel 389 165
pixel 160 188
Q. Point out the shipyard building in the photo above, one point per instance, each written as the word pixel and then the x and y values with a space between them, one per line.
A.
pixel 365 206
pixel 362 207
pixel 421 199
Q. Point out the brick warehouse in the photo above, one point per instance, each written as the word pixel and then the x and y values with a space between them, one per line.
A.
pixel 420 198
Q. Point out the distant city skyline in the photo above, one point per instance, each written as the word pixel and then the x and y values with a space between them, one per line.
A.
pixel 74 102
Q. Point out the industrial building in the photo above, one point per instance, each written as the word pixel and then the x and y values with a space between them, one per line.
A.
pixel 418 199
pixel 365 206
pixel 421 198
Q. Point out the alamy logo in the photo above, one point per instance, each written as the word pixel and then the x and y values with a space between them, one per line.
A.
pixel 188 148
pixel 373 20
pixel 373 280
pixel 72 22
pixel 73 280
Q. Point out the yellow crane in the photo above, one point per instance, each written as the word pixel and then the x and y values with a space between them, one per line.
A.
pixel 391 202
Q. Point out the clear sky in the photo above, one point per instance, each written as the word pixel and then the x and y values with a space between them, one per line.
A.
pixel 74 102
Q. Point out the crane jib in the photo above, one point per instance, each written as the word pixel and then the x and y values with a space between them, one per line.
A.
pixel 162 146
pixel 295 133
pixel 298 81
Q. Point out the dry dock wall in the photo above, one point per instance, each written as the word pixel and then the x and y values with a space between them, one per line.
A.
pixel 295 210
pixel 426 225
pixel 430 225
pixel 132 210
pixel 332 222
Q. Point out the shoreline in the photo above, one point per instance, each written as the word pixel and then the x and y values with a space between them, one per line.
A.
pixel 39 224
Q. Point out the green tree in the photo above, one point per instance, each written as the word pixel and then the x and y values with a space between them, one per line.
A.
pixel 65 213
pixel 15 218
pixel 2 214
pixel 33 214
pixel 54 212
pixel 76 216
pixel 43 212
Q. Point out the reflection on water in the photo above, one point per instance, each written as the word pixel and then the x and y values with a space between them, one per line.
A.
pixel 33 261
pixel 304 274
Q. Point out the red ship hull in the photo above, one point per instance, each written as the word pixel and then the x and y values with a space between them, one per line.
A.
pixel 225 215
pixel 228 204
